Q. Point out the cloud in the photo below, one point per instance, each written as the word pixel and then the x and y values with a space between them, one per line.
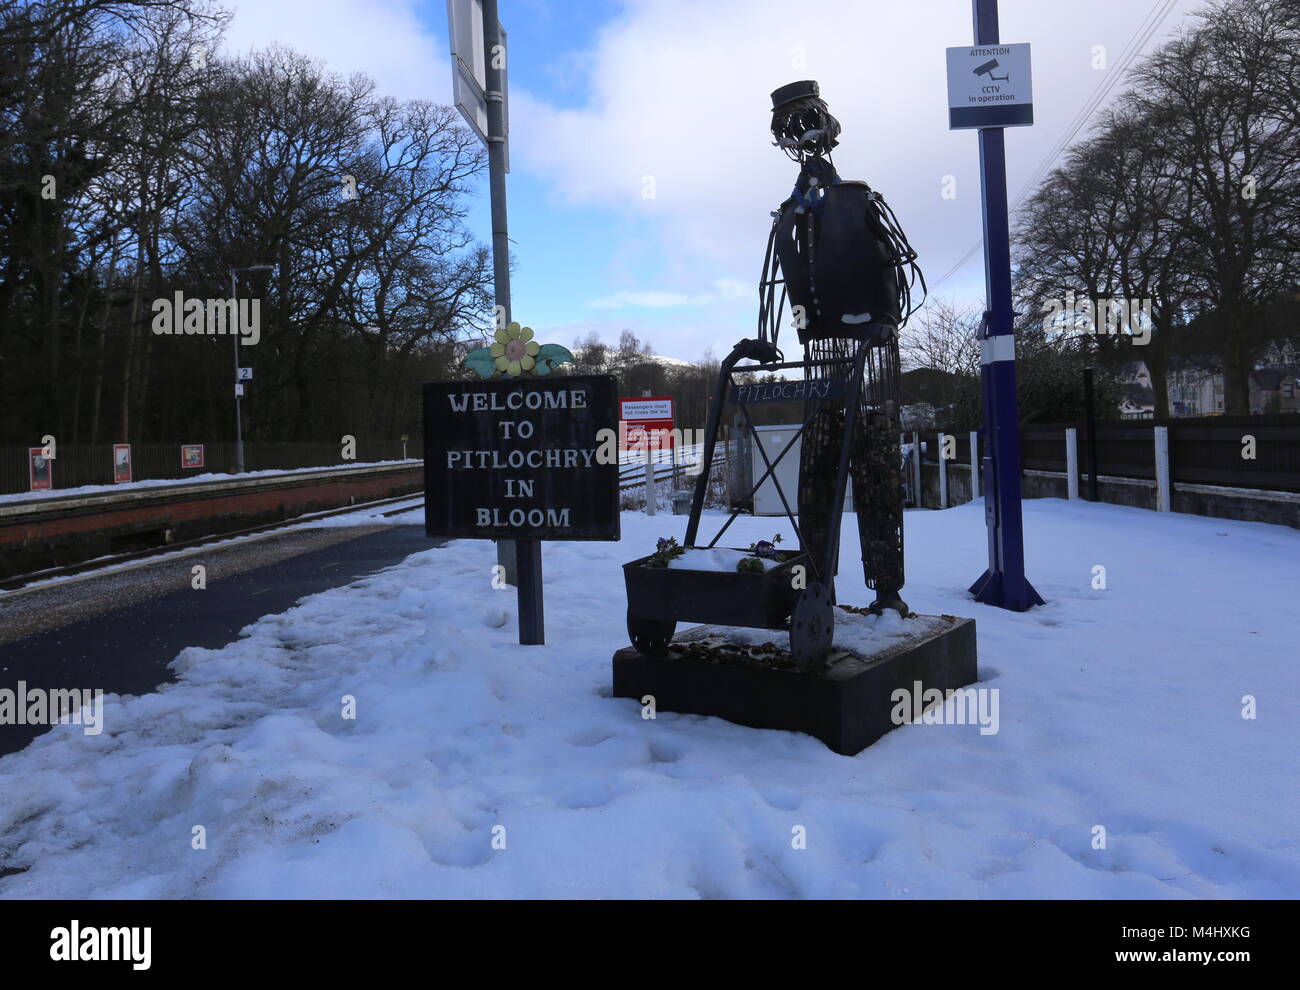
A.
pixel 675 128
pixel 661 124
pixel 385 39
pixel 727 289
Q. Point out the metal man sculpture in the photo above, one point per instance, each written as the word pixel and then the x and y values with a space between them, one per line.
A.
pixel 838 253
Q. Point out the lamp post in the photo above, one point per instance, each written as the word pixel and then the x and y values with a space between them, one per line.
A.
pixel 234 294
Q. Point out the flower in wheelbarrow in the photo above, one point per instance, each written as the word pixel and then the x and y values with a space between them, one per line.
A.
pixel 515 351
pixel 765 548
pixel 665 550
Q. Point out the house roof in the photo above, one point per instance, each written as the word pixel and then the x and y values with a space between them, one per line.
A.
pixel 1139 394
pixel 923 385
pixel 1270 378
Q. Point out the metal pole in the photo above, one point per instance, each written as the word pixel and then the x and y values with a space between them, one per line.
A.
pixel 651 502
pixel 527 556
pixel 974 464
pixel 239 426
pixel 1090 415
pixel 650 507
pixel 1003 583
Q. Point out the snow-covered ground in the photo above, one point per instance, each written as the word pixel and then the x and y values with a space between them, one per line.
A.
pixel 479 768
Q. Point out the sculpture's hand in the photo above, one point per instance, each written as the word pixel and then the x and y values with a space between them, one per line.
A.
pixel 758 350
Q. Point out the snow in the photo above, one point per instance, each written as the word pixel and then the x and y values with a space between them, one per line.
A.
pixel 865 635
pixel 718 559
pixel 1120 708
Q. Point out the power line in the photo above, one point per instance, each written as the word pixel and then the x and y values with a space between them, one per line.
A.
pixel 1160 10
pixel 1129 53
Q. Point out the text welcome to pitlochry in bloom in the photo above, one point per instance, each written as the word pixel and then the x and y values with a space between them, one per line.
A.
pixel 517 452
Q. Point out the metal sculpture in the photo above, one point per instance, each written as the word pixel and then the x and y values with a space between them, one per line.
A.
pixel 839 255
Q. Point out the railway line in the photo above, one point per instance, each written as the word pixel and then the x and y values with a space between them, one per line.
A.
pixel 144 521
pixel 114 560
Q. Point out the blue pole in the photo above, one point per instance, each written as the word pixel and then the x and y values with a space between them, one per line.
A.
pixel 1004 583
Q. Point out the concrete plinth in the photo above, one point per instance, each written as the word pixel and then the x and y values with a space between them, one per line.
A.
pixel 745 675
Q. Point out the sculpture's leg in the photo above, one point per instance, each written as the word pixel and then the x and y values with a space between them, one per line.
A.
pixel 874 466
pixel 819 460
pixel 877 481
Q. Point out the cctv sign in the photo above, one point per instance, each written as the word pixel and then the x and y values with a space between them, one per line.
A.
pixel 989 86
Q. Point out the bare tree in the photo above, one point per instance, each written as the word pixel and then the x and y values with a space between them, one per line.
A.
pixel 1226 94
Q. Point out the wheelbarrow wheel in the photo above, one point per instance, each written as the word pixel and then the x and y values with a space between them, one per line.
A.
pixel 812 626
pixel 650 635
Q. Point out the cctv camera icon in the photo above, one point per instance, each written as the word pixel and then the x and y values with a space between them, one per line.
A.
pixel 987 69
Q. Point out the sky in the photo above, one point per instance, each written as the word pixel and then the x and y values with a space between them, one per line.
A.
pixel 642 170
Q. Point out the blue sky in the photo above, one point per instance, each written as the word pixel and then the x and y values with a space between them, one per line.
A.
pixel 642 172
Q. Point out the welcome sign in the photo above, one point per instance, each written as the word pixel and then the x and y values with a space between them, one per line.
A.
pixel 522 459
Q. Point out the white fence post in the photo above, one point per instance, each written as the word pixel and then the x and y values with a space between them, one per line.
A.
pixel 1072 462
pixel 1164 491
pixel 943 475
pixel 974 464
pixel 916 470
pixel 902 442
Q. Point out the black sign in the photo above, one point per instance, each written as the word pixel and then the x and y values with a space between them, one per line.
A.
pixel 522 459
pixel 796 391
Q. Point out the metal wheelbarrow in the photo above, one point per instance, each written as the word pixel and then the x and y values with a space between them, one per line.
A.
pixel 797 595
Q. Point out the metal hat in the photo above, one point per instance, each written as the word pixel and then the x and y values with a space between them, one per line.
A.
pixel 794 91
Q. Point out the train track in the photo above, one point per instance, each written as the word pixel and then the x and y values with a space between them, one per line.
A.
pixel 633 476
pixel 630 478
pixel 22 580
pixel 636 478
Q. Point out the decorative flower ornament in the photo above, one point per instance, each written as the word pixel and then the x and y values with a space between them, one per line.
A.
pixel 514 353
pixel 515 350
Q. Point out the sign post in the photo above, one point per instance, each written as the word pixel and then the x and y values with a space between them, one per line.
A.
pixel 522 459
pixel 480 90
pixel 989 87
pixel 649 421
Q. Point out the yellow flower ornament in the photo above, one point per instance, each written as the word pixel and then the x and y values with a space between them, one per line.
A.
pixel 515 351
